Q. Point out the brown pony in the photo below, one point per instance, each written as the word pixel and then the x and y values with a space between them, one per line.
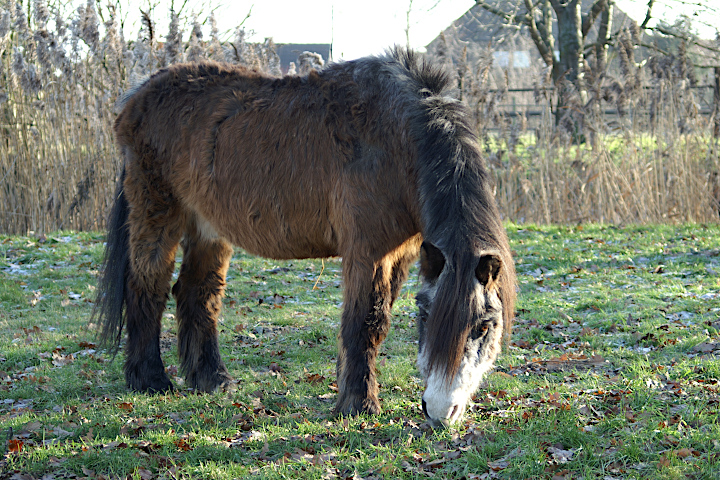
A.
pixel 372 160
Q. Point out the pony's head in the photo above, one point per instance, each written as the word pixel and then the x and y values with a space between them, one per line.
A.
pixel 460 326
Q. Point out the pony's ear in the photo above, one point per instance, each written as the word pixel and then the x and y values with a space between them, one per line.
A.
pixel 432 261
pixel 488 269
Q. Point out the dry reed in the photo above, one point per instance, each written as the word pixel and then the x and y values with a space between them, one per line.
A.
pixel 59 79
pixel 655 161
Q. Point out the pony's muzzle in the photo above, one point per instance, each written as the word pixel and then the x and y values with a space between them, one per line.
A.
pixel 442 416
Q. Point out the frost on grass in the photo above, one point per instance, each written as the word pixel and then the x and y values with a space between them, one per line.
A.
pixel 593 370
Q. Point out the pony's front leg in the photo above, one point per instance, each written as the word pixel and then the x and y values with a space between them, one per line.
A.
pixel 199 291
pixel 365 323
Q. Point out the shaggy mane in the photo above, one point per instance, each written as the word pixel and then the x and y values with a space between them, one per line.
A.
pixel 458 208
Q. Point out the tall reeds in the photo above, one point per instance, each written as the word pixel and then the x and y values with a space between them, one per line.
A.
pixel 59 80
pixel 653 159
pixel 647 156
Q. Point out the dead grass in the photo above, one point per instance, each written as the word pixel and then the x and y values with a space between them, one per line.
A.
pixel 59 80
pixel 653 161
pixel 649 157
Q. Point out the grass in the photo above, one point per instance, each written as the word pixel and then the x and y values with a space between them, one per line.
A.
pixel 612 371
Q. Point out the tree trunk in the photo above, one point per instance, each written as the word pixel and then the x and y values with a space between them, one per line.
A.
pixel 570 40
pixel 716 97
pixel 568 72
pixel 601 48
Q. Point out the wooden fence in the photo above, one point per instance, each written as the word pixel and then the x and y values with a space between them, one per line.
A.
pixel 522 102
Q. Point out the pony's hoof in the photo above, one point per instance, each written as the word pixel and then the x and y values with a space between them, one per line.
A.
pixel 353 406
pixel 219 380
pixel 229 386
pixel 162 385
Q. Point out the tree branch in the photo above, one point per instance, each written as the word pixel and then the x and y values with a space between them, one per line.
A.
pixel 684 38
pixel 663 52
pixel 544 23
pixel 508 17
pixel 591 16
pixel 648 14
pixel 541 43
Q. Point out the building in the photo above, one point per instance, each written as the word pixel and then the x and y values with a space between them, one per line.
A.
pixel 289 52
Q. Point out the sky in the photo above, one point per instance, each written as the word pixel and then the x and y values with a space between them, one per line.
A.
pixel 355 27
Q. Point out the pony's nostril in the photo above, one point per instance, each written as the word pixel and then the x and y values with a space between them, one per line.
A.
pixel 424 407
pixel 454 411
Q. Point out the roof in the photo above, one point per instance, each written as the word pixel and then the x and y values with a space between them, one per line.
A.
pixel 289 52
pixel 480 28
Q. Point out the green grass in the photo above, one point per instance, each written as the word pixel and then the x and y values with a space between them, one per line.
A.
pixel 612 371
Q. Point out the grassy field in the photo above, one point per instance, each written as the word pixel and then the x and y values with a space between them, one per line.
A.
pixel 613 372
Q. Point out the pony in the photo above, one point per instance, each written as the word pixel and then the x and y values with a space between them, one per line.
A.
pixel 372 160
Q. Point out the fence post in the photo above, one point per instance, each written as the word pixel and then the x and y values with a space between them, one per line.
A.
pixel 716 98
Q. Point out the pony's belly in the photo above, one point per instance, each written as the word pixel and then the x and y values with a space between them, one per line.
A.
pixel 280 240
pixel 284 248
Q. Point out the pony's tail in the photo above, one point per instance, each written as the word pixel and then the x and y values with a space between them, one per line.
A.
pixel 110 302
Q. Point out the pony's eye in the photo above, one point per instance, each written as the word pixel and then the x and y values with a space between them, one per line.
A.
pixel 479 330
pixel 488 268
pixel 432 261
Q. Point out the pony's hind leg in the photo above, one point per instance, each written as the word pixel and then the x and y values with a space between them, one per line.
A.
pixel 369 294
pixel 199 291
pixel 155 223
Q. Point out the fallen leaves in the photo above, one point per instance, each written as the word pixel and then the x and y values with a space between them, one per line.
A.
pixel 684 454
pixel 565 376
pixel 707 347
pixel 15 445
pixel 314 378
pixel 126 406
pixel 565 362
pixel 504 462
pixel 421 464
pixel 60 360
pixel 183 444
pixel 561 456
pixel 687 452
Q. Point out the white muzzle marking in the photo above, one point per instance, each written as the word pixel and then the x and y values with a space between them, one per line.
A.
pixel 445 403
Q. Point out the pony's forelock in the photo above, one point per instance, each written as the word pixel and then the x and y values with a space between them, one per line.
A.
pixel 448 324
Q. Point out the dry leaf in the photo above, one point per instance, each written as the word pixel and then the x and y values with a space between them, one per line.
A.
pixel 182 445
pixel 561 456
pixel 504 462
pixel 60 360
pixel 59 432
pixel 145 474
pixel 15 446
pixel 706 347
pixel 33 426
pixel 498 465
pixel 685 452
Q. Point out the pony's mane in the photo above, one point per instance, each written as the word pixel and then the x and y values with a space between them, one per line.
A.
pixel 459 213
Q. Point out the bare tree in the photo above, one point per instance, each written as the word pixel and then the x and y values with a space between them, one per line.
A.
pixel 566 50
pixel 568 66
